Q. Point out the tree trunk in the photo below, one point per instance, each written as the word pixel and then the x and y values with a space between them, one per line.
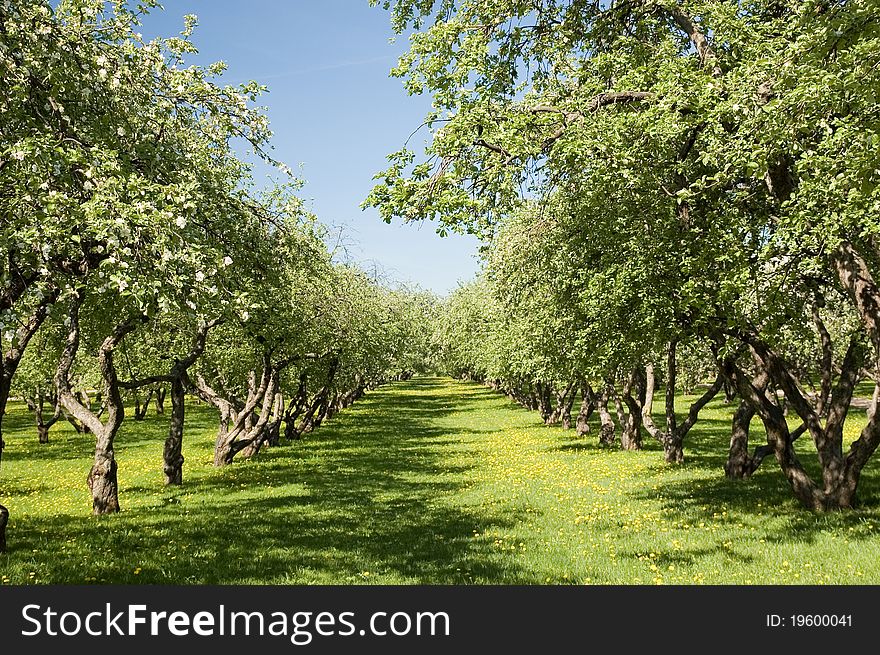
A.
pixel 840 473
pixel 825 363
pixel 672 436
pixel 36 405
pixel 102 478
pixel 160 400
pixel 4 521
pixel 545 404
pixel 140 409
pixel 564 402
pixel 729 392
pixel 10 294
pixel 137 407
pixel 172 454
pixel 5 386
pixel 222 449
pixel 606 432
pixel 273 438
pixel 630 416
pixel 673 444
pixel 673 449
pixel 588 404
pixel 333 406
pixel 295 408
pixel 740 462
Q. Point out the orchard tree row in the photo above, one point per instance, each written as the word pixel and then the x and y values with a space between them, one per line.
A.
pixel 139 262
pixel 665 189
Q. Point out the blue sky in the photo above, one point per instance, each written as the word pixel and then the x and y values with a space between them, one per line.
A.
pixel 335 113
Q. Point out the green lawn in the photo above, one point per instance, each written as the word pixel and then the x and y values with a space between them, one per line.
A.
pixel 427 481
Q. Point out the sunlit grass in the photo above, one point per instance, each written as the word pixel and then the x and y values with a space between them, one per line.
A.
pixel 429 481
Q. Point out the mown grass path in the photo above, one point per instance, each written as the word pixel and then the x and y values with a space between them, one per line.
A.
pixel 427 481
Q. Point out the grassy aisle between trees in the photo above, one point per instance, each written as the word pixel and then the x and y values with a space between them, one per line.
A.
pixel 428 481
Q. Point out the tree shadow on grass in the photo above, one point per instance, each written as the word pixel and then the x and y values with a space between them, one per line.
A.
pixel 361 499
pixel 765 500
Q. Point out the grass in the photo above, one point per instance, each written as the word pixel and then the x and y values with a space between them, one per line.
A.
pixel 427 481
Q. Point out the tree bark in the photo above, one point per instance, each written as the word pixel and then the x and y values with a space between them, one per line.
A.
pixel 36 404
pixel 295 408
pixel 588 404
pixel 273 438
pixel 825 364
pixel 102 479
pixel 545 403
pixel 172 453
pixel 564 403
pixel 160 400
pixel 4 521
pixel 629 410
pixel 606 431
pixel 740 462
pixel 141 408
pixel 313 415
pixel 10 359
pixel 238 431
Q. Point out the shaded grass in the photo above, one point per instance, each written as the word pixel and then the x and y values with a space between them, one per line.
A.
pixel 428 481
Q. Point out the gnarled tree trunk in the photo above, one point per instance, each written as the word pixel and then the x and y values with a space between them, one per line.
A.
pixel 840 473
pixel 588 404
pixel 141 408
pixel 740 462
pixel 172 453
pixel 606 431
pixel 672 437
pixel 102 478
pixel 295 408
pixel 36 404
pixel 629 410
